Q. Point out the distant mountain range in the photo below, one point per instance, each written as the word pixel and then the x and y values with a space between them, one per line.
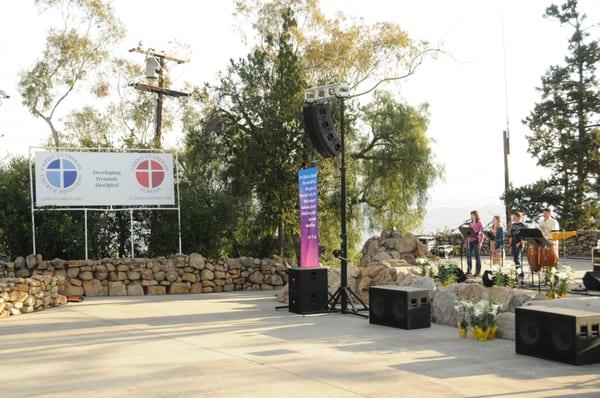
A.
pixel 441 218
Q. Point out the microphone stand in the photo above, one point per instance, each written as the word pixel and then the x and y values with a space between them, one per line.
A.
pixel 463 246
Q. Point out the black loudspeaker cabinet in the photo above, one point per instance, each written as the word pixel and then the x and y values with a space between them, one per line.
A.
pixel 488 279
pixel 591 280
pixel 558 334
pixel 400 306
pixel 318 125
pixel 307 290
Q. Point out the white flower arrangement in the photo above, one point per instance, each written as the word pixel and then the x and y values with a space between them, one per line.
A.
pixel 559 281
pixel 428 268
pixel 465 311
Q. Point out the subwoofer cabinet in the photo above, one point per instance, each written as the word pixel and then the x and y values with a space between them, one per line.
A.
pixel 307 290
pixel 558 334
pixel 400 306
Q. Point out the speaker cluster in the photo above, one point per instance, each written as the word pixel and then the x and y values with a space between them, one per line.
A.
pixel 319 127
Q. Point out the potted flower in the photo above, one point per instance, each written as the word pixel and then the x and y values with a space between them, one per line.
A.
pixel 558 281
pixel 465 311
pixel 483 320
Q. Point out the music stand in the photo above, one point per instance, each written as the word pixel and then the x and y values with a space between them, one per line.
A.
pixel 491 237
pixel 533 236
pixel 466 233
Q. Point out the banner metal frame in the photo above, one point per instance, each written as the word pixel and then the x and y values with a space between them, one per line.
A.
pixel 86 209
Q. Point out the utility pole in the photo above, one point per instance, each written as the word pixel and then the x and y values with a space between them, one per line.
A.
pixel 506 140
pixel 155 69
pixel 506 133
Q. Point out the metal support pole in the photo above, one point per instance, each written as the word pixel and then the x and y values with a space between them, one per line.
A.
pixel 85 214
pixel 506 140
pixel 131 232
pixel 32 204
pixel 344 235
pixel 178 199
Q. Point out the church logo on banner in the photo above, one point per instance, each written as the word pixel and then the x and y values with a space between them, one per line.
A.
pixel 309 217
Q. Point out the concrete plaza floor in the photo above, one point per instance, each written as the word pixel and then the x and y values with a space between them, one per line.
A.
pixel 237 345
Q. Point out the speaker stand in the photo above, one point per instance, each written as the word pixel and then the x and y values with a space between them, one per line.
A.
pixel 343 295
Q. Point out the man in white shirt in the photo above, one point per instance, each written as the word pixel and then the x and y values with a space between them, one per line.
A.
pixel 548 224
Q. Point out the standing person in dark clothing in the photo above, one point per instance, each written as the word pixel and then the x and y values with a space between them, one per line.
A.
pixel 515 241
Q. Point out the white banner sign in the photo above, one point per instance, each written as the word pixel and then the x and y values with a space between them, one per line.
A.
pixel 103 179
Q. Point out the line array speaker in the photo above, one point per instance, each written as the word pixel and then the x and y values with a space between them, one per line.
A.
pixel 399 306
pixel 319 127
pixel 307 290
pixel 558 334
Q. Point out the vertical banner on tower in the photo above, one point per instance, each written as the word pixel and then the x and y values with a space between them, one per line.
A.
pixel 309 217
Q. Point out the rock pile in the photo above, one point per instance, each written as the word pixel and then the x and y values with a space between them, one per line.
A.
pixel 446 298
pixel 390 259
pixel 25 295
pixel 154 276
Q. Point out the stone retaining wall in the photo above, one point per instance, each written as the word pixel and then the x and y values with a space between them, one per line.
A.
pixel 142 276
pixel 25 295
pixel 582 244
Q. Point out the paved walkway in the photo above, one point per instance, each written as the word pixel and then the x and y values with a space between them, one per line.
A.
pixel 236 345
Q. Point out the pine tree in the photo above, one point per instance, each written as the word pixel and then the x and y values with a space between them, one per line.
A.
pixel 565 126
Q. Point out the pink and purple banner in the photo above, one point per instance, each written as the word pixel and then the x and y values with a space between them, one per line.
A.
pixel 309 217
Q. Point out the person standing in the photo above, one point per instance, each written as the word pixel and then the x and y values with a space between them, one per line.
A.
pixel 474 244
pixel 515 241
pixel 547 224
pixel 497 249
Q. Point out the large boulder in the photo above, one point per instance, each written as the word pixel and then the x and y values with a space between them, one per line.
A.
pixel 197 261
pixel 156 290
pixel 501 295
pixel 473 292
pixel 17 296
pixel 135 289
pixel 506 325
pixel 422 282
pixel 518 298
pixel 205 275
pixel 31 261
pixel 407 244
pixel 443 309
pixel 94 288
pixel 256 277
pixel 179 288
pixel 117 289
pixel 73 290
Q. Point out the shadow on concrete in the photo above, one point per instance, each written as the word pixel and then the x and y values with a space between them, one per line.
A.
pixel 436 353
